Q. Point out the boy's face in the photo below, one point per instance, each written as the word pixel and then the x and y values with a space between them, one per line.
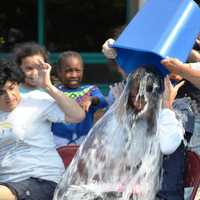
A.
pixel 29 67
pixel 9 96
pixel 71 73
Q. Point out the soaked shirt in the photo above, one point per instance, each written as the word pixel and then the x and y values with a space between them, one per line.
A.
pixel 26 142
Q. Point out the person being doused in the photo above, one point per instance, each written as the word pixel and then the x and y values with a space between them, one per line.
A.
pixel 172 185
pixel 123 151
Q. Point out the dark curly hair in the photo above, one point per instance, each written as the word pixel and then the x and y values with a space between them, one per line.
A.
pixel 26 49
pixel 9 71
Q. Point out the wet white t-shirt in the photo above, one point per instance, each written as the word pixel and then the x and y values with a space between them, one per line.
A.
pixel 171 131
pixel 26 141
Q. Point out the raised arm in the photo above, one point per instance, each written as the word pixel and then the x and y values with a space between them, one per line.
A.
pixel 170 130
pixel 186 70
pixel 73 112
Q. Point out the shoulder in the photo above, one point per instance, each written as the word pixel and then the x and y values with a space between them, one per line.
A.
pixel 87 86
pixel 39 94
pixel 62 88
pixel 38 97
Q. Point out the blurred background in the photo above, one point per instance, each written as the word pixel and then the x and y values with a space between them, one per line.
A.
pixel 60 25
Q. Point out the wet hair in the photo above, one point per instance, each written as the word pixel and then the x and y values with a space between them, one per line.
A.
pixel 26 49
pixel 137 76
pixel 9 71
pixel 151 84
pixel 65 56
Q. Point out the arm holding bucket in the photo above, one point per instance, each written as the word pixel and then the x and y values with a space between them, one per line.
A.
pixel 189 71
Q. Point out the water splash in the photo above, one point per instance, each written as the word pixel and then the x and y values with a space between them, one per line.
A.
pixel 120 158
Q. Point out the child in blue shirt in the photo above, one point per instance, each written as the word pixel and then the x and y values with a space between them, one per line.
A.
pixel 70 73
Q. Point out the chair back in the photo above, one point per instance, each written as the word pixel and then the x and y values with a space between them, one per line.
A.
pixel 67 153
pixel 192 173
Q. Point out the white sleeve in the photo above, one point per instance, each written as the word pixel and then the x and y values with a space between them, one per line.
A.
pixel 195 66
pixel 170 131
pixel 54 113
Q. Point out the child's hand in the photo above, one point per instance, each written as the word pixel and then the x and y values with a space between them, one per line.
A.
pixel 86 103
pixel 170 92
pixel 44 80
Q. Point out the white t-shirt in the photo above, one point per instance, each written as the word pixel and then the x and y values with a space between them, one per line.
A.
pixel 171 131
pixel 27 148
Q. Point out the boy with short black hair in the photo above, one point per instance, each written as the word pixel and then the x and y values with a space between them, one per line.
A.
pixel 30 166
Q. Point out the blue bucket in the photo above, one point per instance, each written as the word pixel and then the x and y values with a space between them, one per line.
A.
pixel 161 28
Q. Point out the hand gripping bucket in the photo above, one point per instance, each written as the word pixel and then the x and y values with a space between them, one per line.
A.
pixel 161 28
